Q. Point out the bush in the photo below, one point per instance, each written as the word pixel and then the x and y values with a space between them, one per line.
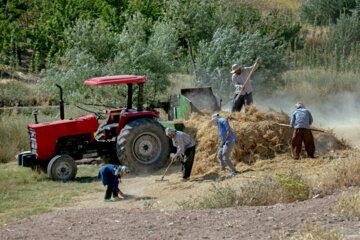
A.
pixel 219 196
pixel 268 190
pixel 323 11
pixel 296 187
pixel 16 93
pixel 262 192
pixel 345 32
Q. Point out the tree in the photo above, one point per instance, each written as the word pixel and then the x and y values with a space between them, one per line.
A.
pixel 93 50
pixel 324 11
pixel 345 32
pixel 194 21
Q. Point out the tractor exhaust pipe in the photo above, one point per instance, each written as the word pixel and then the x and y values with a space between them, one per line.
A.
pixel 62 113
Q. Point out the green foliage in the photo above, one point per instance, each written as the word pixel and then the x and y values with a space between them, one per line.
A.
pixel 94 50
pixel 193 20
pixel 281 28
pixel 322 11
pixel 92 37
pixel 267 190
pixel 345 32
pixel 219 196
pixel 227 47
pixel 297 188
pixel 17 93
pixel 151 9
pixel 242 15
pixel 14 138
pixel 153 58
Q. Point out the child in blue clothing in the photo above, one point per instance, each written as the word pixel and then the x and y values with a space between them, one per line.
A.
pixel 111 176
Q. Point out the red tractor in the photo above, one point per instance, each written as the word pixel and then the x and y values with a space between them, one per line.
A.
pixel 133 137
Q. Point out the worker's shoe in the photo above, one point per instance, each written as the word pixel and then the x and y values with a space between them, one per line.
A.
pixel 184 179
pixel 107 200
pixel 233 174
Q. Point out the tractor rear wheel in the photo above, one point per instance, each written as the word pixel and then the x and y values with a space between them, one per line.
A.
pixel 142 145
pixel 62 168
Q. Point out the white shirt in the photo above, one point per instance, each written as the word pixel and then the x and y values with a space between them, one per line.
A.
pixel 239 79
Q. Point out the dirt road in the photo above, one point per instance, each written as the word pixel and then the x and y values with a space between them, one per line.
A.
pixel 151 212
pixel 266 222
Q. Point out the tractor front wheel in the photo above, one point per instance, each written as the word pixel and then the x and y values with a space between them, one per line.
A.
pixel 142 145
pixel 62 168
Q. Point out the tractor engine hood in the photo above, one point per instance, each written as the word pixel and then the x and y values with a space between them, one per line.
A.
pixel 46 134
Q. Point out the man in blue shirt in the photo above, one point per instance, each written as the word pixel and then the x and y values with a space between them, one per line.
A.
pixel 111 175
pixel 227 142
pixel 301 120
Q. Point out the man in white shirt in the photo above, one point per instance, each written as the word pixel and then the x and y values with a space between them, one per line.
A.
pixel 185 148
pixel 239 77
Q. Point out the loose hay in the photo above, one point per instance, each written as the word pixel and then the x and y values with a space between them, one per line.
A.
pixel 256 137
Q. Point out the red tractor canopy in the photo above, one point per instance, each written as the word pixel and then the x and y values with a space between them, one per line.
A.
pixel 120 79
pixel 123 79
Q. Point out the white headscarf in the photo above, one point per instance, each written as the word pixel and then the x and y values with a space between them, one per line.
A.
pixel 169 131
pixel 214 119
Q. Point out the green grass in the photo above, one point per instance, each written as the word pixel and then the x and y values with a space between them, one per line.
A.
pixel 14 93
pixel 24 193
pixel 316 83
pixel 14 136
pixel 283 189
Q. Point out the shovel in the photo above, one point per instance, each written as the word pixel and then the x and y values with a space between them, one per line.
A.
pixel 162 177
pixel 247 79
pixel 287 125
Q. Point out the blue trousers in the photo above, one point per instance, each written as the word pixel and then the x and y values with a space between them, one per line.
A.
pixel 224 156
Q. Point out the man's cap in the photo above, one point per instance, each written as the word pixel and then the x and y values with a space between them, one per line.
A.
pixel 235 67
pixel 299 105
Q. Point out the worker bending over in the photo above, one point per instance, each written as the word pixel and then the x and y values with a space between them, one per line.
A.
pixel 185 149
pixel 111 177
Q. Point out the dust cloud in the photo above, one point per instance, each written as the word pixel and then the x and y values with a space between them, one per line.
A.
pixel 339 113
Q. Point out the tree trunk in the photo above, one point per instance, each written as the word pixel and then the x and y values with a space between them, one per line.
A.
pixel 193 62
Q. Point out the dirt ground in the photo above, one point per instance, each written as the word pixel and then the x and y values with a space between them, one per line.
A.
pixel 150 211
pixel 232 223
